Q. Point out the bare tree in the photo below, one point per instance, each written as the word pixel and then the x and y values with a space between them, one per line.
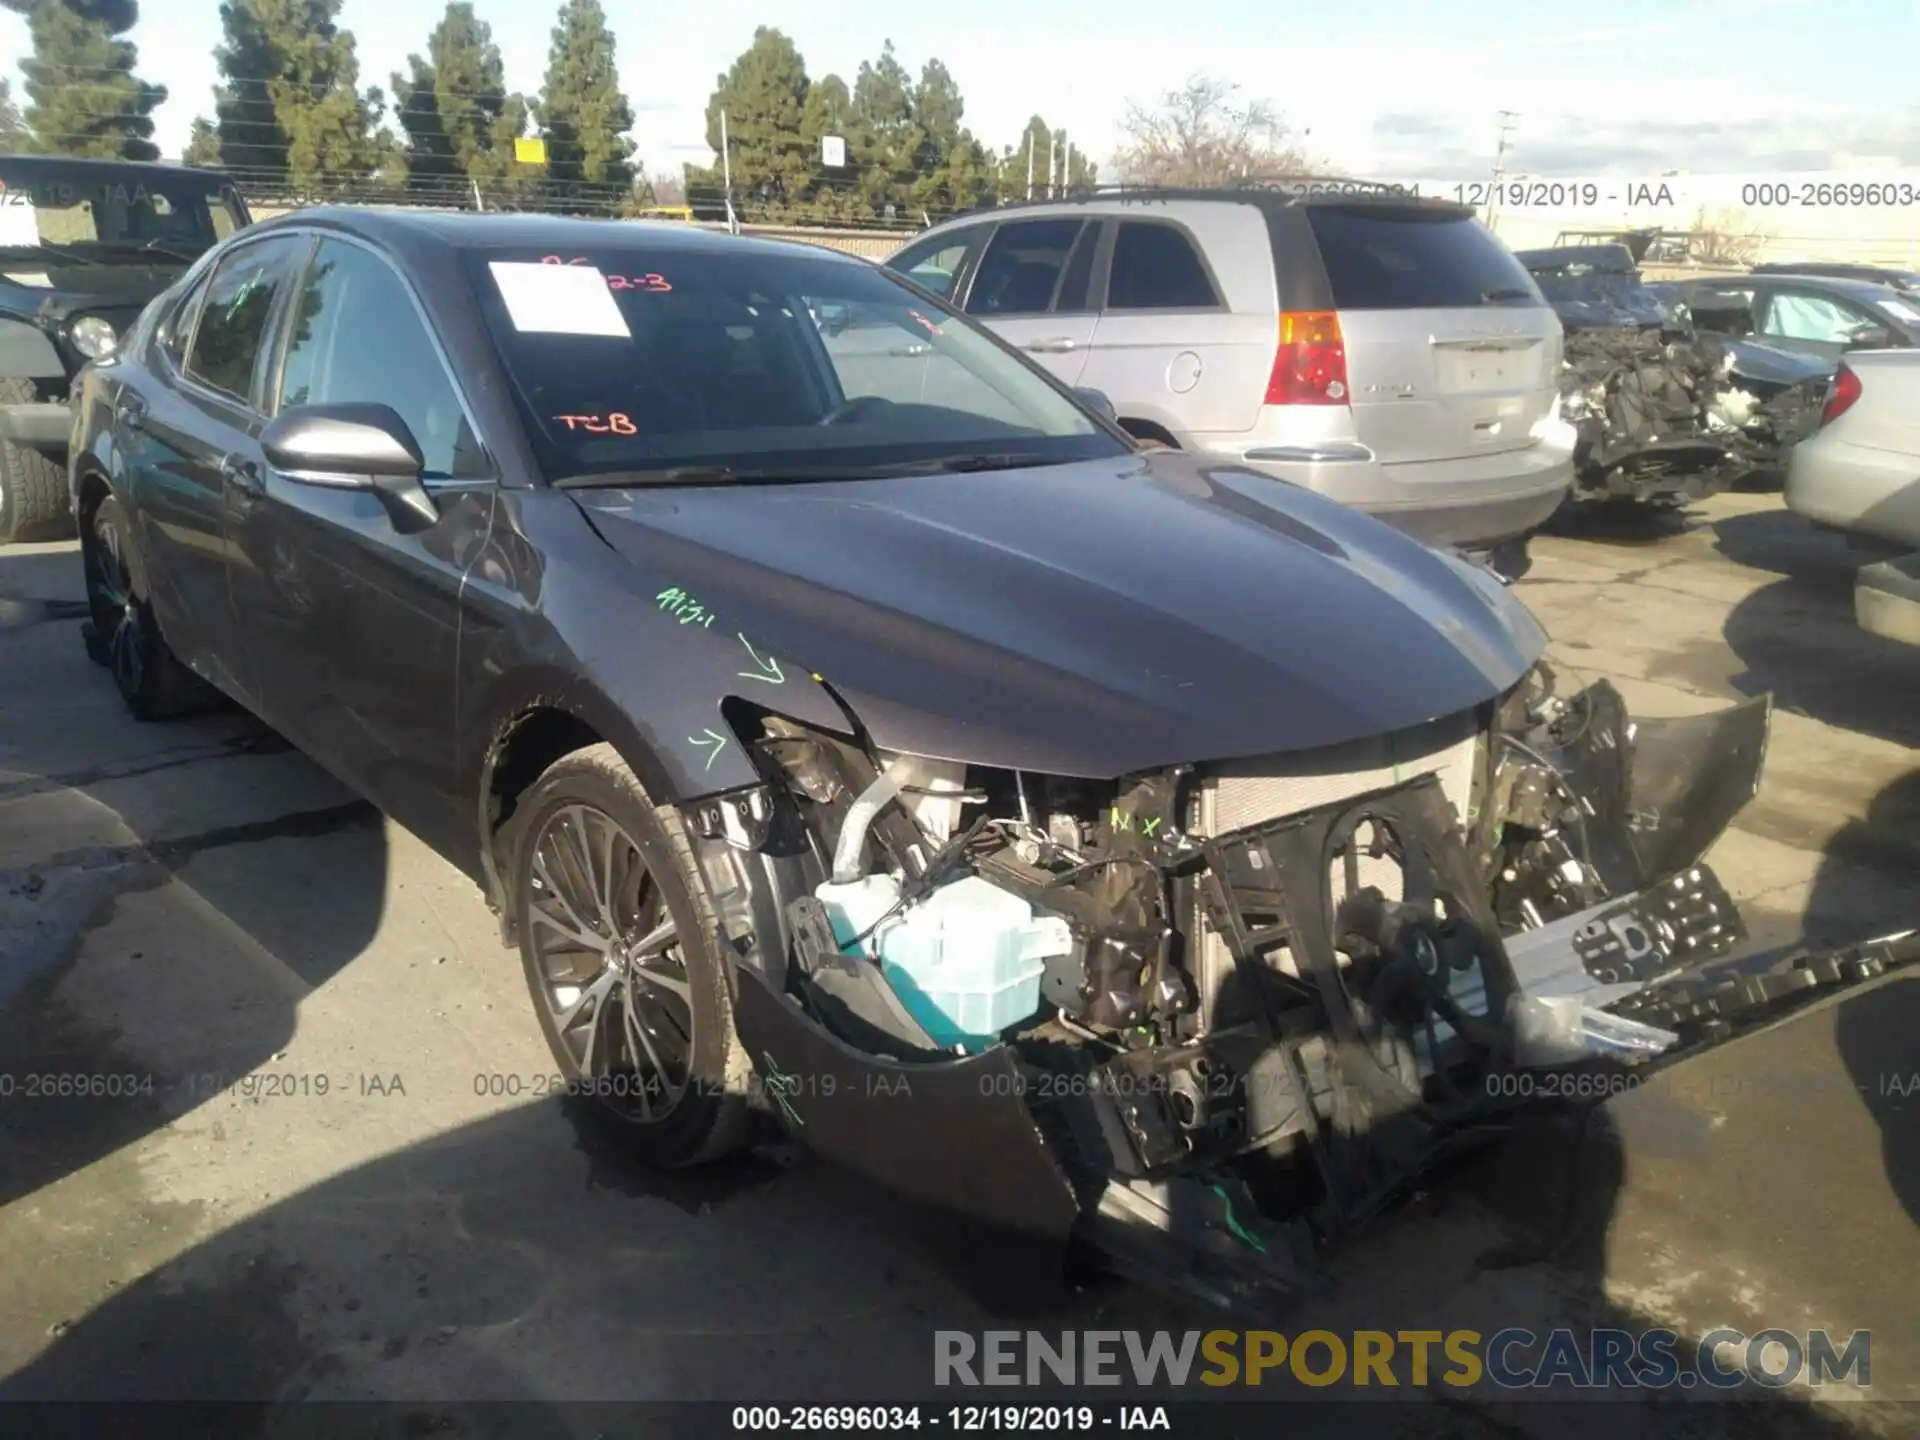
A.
pixel 1716 239
pixel 669 187
pixel 1201 134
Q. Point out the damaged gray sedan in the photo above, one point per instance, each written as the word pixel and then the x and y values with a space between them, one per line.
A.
pixel 1083 840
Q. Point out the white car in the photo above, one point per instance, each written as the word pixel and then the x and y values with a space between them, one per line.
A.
pixel 1860 472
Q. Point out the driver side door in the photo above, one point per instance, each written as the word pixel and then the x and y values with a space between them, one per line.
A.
pixel 354 624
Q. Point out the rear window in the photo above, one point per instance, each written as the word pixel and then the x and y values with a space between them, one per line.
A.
pixel 1402 259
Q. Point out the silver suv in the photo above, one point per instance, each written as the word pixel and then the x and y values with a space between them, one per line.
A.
pixel 1388 352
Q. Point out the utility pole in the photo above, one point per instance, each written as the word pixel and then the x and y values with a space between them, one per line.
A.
pixel 1029 164
pixel 1053 139
pixel 1507 119
pixel 726 173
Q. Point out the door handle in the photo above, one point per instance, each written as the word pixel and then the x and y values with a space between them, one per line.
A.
pixel 242 475
pixel 1059 346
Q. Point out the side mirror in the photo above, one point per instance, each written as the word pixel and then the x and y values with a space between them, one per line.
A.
pixel 353 447
pixel 1097 401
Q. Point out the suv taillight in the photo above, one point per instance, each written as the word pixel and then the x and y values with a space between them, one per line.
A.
pixel 1310 367
pixel 1846 390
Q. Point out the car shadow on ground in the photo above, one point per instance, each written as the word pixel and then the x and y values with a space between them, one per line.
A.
pixel 1620 522
pixel 1876 1031
pixel 525 1257
pixel 1798 639
pixel 113 894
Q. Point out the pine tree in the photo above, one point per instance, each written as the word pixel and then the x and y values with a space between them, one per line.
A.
pixel 13 130
pixel 835 194
pixel 203 145
pixel 1073 172
pixel 583 114
pixel 887 139
pixel 82 95
pixel 953 171
pixel 290 110
pixel 459 119
pixel 764 95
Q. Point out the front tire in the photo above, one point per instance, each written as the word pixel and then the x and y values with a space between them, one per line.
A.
pixel 621 956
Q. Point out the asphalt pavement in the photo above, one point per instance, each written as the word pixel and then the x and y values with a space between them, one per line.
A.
pixel 312 1157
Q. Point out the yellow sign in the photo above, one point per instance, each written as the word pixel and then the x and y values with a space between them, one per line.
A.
pixel 530 150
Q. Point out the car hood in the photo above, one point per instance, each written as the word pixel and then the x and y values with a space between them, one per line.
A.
pixel 1640 312
pixel 1771 365
pixel 55 292
pixel 1092 618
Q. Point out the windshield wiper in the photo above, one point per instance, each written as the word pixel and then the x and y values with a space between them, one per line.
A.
pixel 798 475
pixel 692 475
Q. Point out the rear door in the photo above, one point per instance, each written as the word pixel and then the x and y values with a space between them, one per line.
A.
pixel 1451 352
pixel 1032 287
pixel 197 436
pixel 1168 347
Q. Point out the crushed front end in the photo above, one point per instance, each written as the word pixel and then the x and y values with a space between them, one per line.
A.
pixel 1665 414
pixel 1667 411
pixel 1216 1015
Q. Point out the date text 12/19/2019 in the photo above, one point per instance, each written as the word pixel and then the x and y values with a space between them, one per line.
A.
pixel 958 1419
pixel 1560 194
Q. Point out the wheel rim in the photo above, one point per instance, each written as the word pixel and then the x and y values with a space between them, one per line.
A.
pixel 609 963
pixel 116 613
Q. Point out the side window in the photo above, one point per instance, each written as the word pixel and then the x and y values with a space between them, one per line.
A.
pixel 933 264
pixel 1022 267
pixel 177 326
pixel 357 337
pixel 1812 317
pixel 235 314
pixel 1155 267
pixel 1077 285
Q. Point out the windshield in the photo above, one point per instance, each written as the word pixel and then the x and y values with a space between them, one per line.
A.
pixel 649 358
pixel 96 215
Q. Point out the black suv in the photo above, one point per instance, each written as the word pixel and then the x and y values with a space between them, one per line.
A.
pixel 84 245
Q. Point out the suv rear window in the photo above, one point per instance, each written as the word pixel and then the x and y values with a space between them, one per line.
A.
pixel 1403 259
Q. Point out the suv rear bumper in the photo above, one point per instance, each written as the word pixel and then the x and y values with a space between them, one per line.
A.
pixel 43 424
pixel 1478 502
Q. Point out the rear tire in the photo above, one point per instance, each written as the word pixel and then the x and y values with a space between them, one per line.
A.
pixel 622 962
pixel 125 634
pixel 33 488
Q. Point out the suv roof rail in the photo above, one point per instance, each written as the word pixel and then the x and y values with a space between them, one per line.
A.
pixel 1244 190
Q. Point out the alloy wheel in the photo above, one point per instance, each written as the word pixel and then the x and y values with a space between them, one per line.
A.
pixel 118 615
pixel 609 960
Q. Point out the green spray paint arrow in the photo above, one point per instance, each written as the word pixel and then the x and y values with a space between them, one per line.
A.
pixel 769 670
pixel 713 738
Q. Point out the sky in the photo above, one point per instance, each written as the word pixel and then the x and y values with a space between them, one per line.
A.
pixel 1374 87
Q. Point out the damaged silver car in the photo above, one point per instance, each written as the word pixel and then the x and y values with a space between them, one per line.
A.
pixel 1667 412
